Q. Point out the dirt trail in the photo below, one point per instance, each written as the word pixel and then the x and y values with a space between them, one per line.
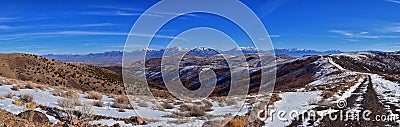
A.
pixel 362 99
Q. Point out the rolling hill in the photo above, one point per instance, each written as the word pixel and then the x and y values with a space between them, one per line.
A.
pixel 42 70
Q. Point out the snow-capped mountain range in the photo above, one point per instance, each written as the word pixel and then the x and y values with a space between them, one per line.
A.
pixel 116 56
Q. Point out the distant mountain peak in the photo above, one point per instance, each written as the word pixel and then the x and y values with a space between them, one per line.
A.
pixel 116 56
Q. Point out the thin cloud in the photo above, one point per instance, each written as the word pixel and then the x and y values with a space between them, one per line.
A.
pixel 393 29
pixel 126 46
pixel 4 27
pixel 98 24
pixel 116 8
pixel 87 33
pixel 355 37
pixel 123 11
pixel 352 35
pixel 17 19
pixel 133 13
pixel 393 1
pixel 3 19
pixel 111 13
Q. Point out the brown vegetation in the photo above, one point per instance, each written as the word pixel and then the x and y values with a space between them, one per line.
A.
pixel 99 103
pixel 191 111
pixel 10 95
pixel 10 120
pixel 94 95
pixel 167 105
pixel 41 70
pixel 26 98
pixel 70 95
pixel 122 102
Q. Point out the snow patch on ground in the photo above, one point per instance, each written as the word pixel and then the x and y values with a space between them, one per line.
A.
pixel 292 101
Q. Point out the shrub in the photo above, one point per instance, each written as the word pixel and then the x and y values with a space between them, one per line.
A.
pixel 99 103
pixel 66 103
pixel 230 101
pixel 17 102
pixel 122 102
pixel 238 121
pixel 275 97
pixel 15 87
pixel 77 102
pixel 26 98
pixel 69 106
pixel 70 95
pixel 57 92
pixel 94 95
pixel 197 111
pixel 190 111
pixel 313 101
pixel 1 97
pixel 86 112
pixel 327 94
pixel 207 103
pixel 10 95
pixel 185 107
pixel 167 105
pixel 31 106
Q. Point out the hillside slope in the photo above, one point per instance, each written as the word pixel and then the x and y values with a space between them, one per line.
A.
pixel 55 73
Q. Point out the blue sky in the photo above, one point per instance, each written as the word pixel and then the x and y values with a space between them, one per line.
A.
pixel 89 26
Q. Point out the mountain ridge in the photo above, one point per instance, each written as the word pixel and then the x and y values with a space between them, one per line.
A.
pixel 113 57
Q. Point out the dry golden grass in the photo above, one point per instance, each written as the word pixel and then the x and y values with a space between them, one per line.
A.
pixel 94 95
pixel 65 103
pixel 122 102
pixel 31 106
pixel 239 121
pixel 17 102
pixel 328 93
pixel 191 111
pixel 71 95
